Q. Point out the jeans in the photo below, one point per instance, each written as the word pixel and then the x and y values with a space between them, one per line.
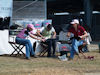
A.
pixel 28 45
pixel 75 44
pixel 51 43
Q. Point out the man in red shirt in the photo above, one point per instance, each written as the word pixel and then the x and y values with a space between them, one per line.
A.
pixel 79 35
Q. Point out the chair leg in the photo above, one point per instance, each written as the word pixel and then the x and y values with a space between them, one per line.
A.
pixel 44 52
pixel 20 50
pixel 12 53
pixel 17 49
pixel 45 48
pixel 82 54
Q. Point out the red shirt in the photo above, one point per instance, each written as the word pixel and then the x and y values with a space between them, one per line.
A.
pixel 79 32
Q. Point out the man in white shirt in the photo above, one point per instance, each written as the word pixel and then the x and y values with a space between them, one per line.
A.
pixel 48 33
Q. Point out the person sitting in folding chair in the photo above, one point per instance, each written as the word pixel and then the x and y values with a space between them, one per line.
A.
pixel 21 39
pixel 48 33
pixel 78 39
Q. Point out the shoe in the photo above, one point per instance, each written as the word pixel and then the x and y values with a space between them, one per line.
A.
pixel 53 56
pixel 35 56
pixel 63 58
pixel 27 58
pixel 77 53
pixel 48 55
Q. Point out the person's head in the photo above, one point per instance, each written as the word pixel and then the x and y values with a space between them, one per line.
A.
pixel 75 23
pixel 49 27
pixel 30 27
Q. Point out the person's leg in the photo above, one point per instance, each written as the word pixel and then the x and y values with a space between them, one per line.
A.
pixel 24 42
pixel 85 49
pixel 31 48
pixel 54 46
pixel 28 45
pixel 72 53
pixel 63 53
pixel 99 47
pixel 34 46
pixel 75 44
pixel 27 51
pixel 49 43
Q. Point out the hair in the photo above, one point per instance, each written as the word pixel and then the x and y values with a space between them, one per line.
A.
pixel 27 27
pixel 78 24
pixel 49 26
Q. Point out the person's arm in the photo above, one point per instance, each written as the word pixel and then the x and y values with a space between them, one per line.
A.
pixel 68 34
pixel 39 34
pixel 54 34
pixel 35 37
pixel 85 35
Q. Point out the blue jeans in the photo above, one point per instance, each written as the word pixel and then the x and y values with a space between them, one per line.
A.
pixel 28 45
pixel 75 44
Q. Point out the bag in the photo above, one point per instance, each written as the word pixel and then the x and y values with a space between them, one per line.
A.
pixel 64 47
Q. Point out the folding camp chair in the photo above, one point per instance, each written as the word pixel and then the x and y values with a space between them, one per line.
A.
pixel 17 48
pixel 45 49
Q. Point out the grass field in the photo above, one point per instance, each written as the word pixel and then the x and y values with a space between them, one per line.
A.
pixel 50 66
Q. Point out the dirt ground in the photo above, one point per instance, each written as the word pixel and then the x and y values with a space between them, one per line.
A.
pixel 50 66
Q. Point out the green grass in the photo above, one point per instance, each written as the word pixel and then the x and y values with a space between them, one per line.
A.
pixel 49 66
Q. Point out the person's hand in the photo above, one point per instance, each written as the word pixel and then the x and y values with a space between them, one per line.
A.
pixel 81 37
pixel 54 37
pixel 43 37
pixel 43 40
